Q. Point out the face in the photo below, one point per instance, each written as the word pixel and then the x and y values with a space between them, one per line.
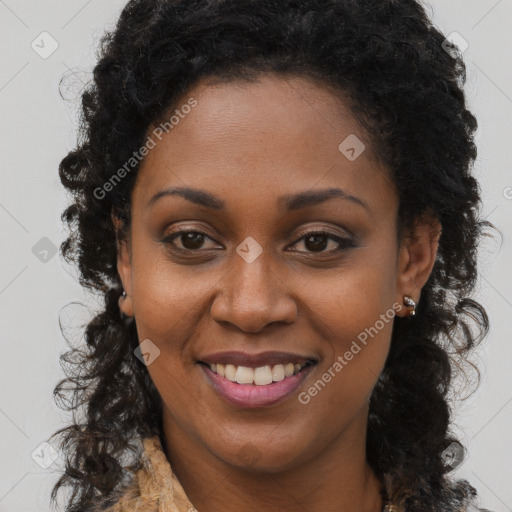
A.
pixel 241 266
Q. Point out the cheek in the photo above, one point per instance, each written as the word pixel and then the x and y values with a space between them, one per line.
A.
pixel 352 311
pixel 357 333
pixel 346 300
pixel 167 297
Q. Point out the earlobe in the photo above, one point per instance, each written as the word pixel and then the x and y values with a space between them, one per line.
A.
pixel 126 305
pixel 418 252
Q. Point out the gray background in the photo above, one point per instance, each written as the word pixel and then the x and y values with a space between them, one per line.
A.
pixel 37 129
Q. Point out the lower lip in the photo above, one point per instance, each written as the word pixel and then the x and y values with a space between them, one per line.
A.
pixel 250 395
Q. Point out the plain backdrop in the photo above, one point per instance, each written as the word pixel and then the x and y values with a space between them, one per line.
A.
pixel 37 129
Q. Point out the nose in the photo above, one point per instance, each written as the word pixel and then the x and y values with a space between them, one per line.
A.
pixel 253 295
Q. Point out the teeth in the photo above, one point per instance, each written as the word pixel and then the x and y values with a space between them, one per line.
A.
pixel 260 376
pixel 289 369
pixel 278 373
pixel 244 375
pixel 230 372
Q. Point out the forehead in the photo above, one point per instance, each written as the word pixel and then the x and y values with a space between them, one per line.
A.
pixel 265 138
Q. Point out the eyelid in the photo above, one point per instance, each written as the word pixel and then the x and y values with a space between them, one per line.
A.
pixel 323 231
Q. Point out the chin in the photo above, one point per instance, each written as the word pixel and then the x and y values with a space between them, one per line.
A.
pixel 258 457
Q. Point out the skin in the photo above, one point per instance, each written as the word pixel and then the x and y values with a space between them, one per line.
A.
pixel 248 144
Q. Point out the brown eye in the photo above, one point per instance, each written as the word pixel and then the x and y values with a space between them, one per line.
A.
pixel 318 241
pixel 190 240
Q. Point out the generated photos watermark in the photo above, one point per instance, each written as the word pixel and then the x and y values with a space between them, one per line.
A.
pixel 342 361
pixel 165 127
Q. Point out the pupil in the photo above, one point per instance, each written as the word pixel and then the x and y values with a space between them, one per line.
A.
pixel 319 242
pixel 192 240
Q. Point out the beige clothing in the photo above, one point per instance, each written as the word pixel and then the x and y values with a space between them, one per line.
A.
pixel 155 487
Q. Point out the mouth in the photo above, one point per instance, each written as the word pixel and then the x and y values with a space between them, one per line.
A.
pixel 253 386
pixel 259 376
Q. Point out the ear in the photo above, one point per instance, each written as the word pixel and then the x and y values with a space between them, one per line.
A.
pixel 124 269
pixel 417 255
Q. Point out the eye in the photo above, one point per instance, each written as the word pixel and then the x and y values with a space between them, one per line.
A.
pixel 191 240
pixel 314 241
pixel 317 241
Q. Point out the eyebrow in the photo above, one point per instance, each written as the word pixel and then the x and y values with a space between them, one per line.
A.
pixel 289 202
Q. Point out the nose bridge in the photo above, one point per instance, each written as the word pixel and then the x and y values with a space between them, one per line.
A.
pixel 252 274
pixel 252 295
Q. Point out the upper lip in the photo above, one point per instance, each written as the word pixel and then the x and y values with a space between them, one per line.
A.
pixel 256 360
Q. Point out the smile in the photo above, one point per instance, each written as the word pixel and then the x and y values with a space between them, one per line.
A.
pixel 255 387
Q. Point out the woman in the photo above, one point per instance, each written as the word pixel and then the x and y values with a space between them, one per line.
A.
pixel 275 200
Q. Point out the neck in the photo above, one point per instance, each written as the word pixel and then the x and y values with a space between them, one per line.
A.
pixel 336 479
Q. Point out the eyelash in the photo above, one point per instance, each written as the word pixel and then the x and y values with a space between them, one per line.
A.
pixel 344 243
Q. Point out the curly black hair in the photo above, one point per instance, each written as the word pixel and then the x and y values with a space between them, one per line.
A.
pixel 406 89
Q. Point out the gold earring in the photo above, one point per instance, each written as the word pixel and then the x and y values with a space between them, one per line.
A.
pixel 409 302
